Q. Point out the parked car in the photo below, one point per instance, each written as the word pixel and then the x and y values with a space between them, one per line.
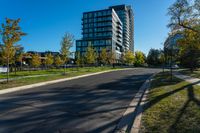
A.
pixel 175 67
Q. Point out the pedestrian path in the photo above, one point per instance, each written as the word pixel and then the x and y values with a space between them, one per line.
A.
pixel 187 78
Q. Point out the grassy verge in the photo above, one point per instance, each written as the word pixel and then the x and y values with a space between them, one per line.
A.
pixel 172 106
pixel 46 72
pixel 195 73
pixel 70 73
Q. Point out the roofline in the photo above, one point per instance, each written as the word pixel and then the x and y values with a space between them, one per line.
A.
pixel 96 11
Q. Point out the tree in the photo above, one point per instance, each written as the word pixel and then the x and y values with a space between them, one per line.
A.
pixel 139 58
pixel 79 59
pixel 185 15
pixel 1 58
pixel 11 33
pixel 66 44
pixel 122 60
pixel 190 50
pixel 58 61
pixel 49 59
pixel 35 61
pixel 154 57
pixel 129 57
pixel 18 57
pixel 111 58
pixel 90 56
pixel 103 56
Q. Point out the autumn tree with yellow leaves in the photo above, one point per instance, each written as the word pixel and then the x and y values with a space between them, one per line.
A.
pixel 11 33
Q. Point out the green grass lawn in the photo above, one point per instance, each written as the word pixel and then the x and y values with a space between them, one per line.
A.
pixel 51 71
pixel 29 73
pixel 195 74
pixel 59 75
pixel 43 72
pixel 172 106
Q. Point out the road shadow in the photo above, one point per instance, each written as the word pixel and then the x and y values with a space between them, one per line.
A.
pixel 72 108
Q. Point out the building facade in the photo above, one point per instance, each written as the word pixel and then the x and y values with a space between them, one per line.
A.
pixel 171 41
pixel 110 28
pixel 126 15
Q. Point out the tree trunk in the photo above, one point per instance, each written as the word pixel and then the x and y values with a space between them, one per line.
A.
pixel 21 66
pixel 15 70
pixel 8 69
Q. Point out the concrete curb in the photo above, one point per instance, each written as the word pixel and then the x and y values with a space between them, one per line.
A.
pixel 131 119
pixel 14 89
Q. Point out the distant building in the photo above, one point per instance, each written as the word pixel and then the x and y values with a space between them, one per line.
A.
pixel 171 41
pixel 171 47
pixel 42 54
pixel 111 28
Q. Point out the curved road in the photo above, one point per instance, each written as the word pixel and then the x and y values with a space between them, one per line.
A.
pixel 89 104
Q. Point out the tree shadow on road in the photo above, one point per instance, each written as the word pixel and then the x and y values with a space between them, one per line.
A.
pixel 75 108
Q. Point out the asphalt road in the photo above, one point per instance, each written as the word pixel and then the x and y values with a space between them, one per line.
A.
pixel 89 104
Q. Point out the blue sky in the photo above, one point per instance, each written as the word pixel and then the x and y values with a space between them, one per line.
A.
pixel 46 21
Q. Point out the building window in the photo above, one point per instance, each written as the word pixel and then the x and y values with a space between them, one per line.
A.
pixel 85 35
pixel 90 35
pixel 90 30
pixel 90 15
pixel 85 20
pixel 91 25
pixel 85 31
pixel 96 43
pixel 78 44
pixel 99 19
pixel 95 14
pixel 84 43
pixel 85 15
pixel 85 25
pixel 108 42
pixel 102 42
pixel 104 13
pixel 90 20
pixel 99 14
pixel 109 12
pixel 78 49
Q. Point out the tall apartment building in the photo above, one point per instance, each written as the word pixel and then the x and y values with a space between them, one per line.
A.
pixel 111 28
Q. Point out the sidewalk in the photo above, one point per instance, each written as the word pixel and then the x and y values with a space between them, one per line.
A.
pixel 187 78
